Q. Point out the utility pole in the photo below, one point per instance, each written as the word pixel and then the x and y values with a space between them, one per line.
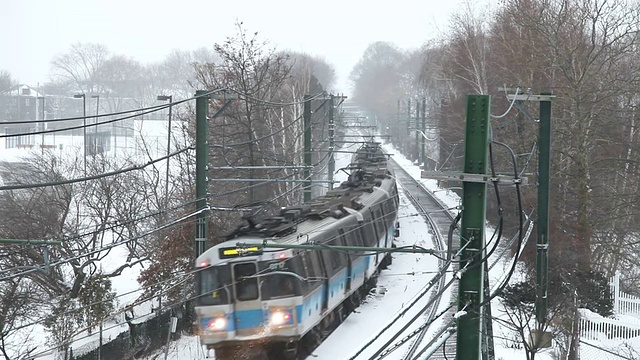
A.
pixel 332 161
pixel 84 129
pixel 424 128
pixel 472 239
pixel 42 124
pixel 202 161
pixel 166 182
pixel 418 133
pixel 307 146
pixel 396 130
pixel 542 243
pixel 406 143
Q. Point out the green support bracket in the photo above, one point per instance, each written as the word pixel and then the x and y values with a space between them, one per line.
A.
pixel 474 199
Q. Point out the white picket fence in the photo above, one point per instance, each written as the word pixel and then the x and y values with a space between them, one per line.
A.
pixel 594 327
pixel 623 304
pixel 603 329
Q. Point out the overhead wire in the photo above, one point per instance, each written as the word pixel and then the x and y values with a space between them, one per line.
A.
pixel 153 109
pixel 98 176
pixel 110 245
pixel 277 104
pixel 94 177
pixel 24 186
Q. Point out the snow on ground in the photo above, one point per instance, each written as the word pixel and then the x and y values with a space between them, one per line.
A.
pixel 397 286
pixel 396 289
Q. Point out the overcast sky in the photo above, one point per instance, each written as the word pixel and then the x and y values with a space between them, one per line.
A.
pixel 34 31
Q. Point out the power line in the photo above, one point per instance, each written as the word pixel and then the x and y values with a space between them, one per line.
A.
pixel 154 108
pixel 94 177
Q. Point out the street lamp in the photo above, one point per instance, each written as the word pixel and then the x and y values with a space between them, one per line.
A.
pixel 84 128
pixel 42 123
pixel 97 97
pixel 166 183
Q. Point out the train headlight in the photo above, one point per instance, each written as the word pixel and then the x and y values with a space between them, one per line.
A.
pixel 281 317
pixel 217 324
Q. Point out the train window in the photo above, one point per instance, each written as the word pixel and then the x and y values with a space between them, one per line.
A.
pixel 271 280
pixel 390 211
pixel 212 285
pixel 277 285
pixel 352 236
pixel 308 265
pixel 337 258
pixel 314 271
pixel 394 194
pixel 376 225
pixel 246 281
pixel 367 230
pixel 380 222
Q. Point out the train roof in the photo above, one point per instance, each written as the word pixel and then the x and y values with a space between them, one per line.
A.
pixel 368 183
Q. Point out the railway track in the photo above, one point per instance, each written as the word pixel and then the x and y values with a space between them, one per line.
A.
pixel 439 220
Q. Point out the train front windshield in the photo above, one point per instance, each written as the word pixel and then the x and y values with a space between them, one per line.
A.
pixel 264 280
pixel 213 286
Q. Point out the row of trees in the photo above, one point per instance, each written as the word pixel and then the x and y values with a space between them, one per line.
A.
pixel 585 53
pixel 263 127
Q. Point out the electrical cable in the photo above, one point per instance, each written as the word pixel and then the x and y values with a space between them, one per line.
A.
pixel 111 245
pixel 153 109
pixel 276 104
pixel 94 177
pixel 510 106
pixel 256 140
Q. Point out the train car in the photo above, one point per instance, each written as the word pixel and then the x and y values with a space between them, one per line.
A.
pixel 258 302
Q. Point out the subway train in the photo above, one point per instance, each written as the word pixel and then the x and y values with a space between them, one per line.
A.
pixel 264 302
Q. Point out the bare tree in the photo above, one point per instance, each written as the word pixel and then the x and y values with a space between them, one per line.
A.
pixel 260 76
pixel 19 299
pixel 6 81
pixel 81 66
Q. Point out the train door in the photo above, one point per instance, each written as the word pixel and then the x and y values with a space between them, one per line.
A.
pixel 343 242
pixel 247 306
pixel 375 240
pixel 385 223
pixel 318 257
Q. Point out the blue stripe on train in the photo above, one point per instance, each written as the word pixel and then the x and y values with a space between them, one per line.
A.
pixel 246 319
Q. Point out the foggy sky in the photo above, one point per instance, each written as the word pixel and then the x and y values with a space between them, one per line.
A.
pixel 34 31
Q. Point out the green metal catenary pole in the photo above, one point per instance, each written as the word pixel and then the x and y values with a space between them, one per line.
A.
pixel 406 143
pixel 474 196
pixel 418 134
pixel 332 161
pixel 424 128
pixel 542 247
pixel 202 160
pixel 307 145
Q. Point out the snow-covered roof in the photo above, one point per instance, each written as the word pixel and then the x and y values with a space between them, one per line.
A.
pixel 25 90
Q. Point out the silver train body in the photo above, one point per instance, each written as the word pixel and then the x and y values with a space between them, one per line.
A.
pixel 270 299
